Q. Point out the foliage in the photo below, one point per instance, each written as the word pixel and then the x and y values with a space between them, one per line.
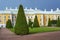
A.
pixel 21 26
pixel 9 24
pixel 49 22
pixel 53 21
pixel 36 23
pixel 58 22
pixel 41 29
pixel 30 23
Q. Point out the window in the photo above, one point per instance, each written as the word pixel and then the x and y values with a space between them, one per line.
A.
pixel 28 16
pixel 40 19
pixel 8 16
pixel 4 20
pixel 0 16
pixel 40 23
pixel 56 16
pixel 4 16
pixel 31 16
pixel 15 16
pixel 0 20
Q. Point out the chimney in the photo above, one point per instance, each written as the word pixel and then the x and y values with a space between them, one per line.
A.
pixel 51 10
pixel 57 9
pixel 44 10
pixel 6 8
pixel 35 8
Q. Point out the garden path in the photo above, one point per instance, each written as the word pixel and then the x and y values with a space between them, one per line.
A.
pixel 6 34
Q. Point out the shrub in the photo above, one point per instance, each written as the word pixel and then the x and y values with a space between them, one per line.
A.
pixel 35 23
pixel 21 26
pixel 9 24
pixel 58 22
pixel 30 23
pixel 49 22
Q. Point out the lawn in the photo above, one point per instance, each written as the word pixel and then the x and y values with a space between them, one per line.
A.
pixel 41 29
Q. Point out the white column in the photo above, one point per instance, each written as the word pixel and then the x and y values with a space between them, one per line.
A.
pixel 11 17
pixel 47 18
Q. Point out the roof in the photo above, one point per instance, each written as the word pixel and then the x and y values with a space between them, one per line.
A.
pixel 30 11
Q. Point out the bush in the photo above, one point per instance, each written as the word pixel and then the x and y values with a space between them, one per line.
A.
pixel 30 23
pixel 36 23
pixel 21 26
pixel 58 22
pixel 53 22
pixel 9 24
pixel 49 22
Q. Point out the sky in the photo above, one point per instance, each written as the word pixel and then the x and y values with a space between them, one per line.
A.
pixel 40 4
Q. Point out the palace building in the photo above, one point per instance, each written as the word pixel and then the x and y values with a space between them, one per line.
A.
pixel 43 16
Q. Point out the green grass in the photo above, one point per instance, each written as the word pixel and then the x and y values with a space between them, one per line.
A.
pixel 12 29
pixel 41 29
pixel 44 29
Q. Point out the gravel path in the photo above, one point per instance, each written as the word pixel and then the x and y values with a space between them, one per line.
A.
pixel 6 34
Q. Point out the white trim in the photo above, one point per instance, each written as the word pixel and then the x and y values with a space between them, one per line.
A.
pixel 3 25
pixel 30 11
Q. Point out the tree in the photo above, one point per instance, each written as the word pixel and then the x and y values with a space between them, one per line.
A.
pixel 30 23
pixel 9 24
pixel 49 22
pixel 58 22
pixel 21 27
pixel 35 23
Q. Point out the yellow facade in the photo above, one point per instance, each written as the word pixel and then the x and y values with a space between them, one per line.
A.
pixel 7 16
pixel 4 18
pixel 39 18
pixel 45 18
pixel 1 19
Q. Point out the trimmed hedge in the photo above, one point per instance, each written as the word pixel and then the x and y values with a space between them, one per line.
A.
pixel 9 24
pixel 21 26
pixel 30 23
pixel 36 23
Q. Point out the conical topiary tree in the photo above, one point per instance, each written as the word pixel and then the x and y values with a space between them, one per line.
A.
pixel 21 26
pixel 30 23
pixel 35 23
pixel 58 22
pixel 49 22
pixel 9 24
